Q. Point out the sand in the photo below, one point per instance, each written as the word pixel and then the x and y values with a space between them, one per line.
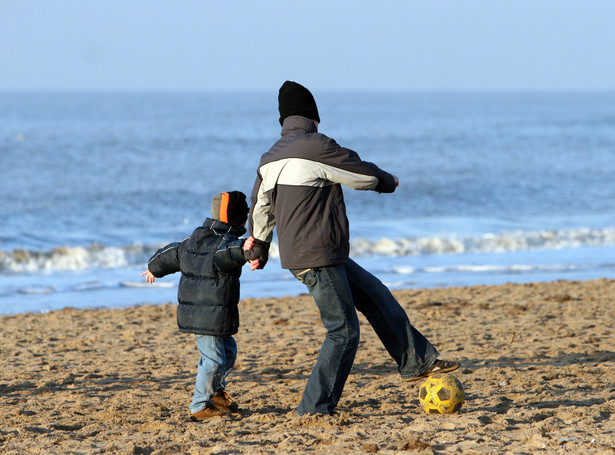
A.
pixel 538 367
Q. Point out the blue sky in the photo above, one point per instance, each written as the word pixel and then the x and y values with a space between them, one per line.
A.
pixel 324 44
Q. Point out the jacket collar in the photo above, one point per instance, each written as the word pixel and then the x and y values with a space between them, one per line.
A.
pixel 222 228
pixel 296 122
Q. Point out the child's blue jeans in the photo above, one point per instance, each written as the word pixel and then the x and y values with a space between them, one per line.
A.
pixel 217 359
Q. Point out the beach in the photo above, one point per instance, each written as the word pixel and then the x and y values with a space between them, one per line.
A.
pixel 538 368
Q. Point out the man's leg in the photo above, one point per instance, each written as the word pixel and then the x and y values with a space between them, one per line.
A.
pixel 413 353
pixel 329 287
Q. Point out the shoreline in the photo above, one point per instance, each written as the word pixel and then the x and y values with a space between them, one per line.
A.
pixel 537 367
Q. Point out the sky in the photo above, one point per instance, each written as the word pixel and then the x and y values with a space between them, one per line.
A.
pixel 405 45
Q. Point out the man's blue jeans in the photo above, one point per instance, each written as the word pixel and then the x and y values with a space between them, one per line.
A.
pixel 217 359
pixel 337 291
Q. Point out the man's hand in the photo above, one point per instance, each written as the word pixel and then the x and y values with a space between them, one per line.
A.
pixel 396 181
pixel 255 264
pixel 149 276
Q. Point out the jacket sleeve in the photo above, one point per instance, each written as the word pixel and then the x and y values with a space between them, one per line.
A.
pixel 229 255
pixel 262 220
pixel 344 166
pixel 165 261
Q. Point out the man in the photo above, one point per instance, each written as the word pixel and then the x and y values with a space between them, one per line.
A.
pixel 298 190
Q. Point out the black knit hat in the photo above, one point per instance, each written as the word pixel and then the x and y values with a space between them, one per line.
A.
pixel 230 208
pixel 295 99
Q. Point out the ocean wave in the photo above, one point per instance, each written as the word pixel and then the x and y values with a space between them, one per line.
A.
pixel 108 257
pixel 75 258
pixel 491 268
pixel 486 243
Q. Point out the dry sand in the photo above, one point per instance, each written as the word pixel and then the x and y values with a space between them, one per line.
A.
pixel 538 367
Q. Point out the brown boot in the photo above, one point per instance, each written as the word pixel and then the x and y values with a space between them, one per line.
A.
pixel 223 402
pixel 207 413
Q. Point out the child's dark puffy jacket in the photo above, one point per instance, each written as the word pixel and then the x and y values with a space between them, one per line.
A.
pixel 210 262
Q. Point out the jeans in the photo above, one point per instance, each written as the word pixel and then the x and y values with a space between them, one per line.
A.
pixel 338 290
pixel 217 359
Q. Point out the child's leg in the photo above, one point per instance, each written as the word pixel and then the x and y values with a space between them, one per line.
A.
pixel 230 351
pixel 221 400
pixel 210 371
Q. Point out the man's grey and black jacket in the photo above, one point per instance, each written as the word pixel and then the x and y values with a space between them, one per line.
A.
pixel 298 191
pixel 210 262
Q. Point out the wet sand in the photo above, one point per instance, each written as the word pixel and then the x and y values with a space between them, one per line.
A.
pixel 538 367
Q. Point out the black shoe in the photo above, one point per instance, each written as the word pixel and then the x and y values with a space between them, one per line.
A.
pixel 438 367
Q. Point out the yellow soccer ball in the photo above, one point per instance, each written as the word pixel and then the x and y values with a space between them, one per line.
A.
pixel 441 394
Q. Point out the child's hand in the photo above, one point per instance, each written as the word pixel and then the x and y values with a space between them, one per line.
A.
pixel 149 276
pixel 256 253
pixel 248 244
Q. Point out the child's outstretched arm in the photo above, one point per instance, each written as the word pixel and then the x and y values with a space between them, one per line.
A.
pixel 163 263
pixel 149 276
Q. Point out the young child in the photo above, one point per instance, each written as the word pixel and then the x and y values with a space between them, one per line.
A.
pixel 210 262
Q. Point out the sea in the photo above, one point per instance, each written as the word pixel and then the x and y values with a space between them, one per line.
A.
pixel 495 188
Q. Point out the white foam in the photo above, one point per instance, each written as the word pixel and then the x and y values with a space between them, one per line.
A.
pixel 486 243
pixel 492 268
pixel 38 290
pixel 74 258
pixel 143 284
pixel 95 257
